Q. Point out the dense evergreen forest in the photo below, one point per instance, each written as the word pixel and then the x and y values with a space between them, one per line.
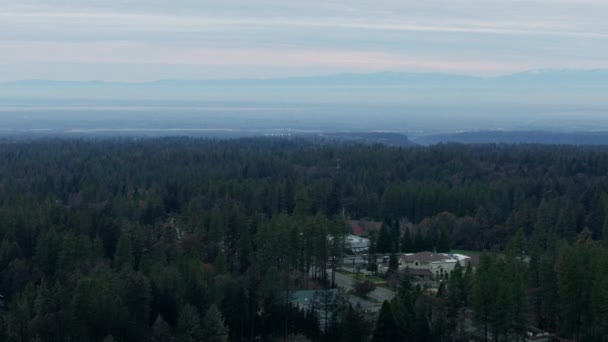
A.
pixel 181 239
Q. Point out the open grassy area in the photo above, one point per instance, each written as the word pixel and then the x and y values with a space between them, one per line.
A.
pixel 361 277
pixel 373 279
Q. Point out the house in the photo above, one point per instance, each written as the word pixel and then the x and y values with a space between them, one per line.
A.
pixel 435 265
pixel 357 244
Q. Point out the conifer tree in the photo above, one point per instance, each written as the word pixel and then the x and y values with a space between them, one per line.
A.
pixel 161 332
pixel 355 327
pixel 406 242
pixel 386 329
pixel 123 257
pixel 214 329
pixel 483 296
pixel 189 327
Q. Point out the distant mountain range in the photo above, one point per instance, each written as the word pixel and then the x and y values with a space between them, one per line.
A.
pixel 577 87
pixel 548 77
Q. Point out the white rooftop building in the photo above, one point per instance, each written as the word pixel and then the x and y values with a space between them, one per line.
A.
pixel 428 264
pixel 357 244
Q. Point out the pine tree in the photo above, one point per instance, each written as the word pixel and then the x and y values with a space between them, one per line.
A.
pixel 189 325
pixel 355 327
pixel 566 223
pixel 384 240
pixel 403 308
pixel 393 264
pixel 214 329
pixel 98 249
pixel 599 299
pixel 386 329
pixel 483 296
pixel 549 293
pixel 161 332
pixel 47 251
pixel 123 257
pixel 419 242
pixel 456 296
pixel 569 291
pixel 406 242
pixel 443 245
pixel 136 294
pixel 605 229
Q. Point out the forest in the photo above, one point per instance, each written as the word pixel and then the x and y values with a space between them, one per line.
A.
pixel 189 239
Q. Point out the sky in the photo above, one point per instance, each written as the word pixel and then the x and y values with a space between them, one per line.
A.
pixel 143 40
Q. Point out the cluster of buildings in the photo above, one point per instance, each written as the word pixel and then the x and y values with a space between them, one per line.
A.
pixel 423 265
pixel 429 265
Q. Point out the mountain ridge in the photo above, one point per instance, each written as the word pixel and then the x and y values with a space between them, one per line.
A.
pixel 384 76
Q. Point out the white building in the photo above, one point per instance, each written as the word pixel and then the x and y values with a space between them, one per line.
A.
pixel 357 244
pixel 430 264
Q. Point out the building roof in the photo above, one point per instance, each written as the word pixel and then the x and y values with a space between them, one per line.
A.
pixel 357 242
pixel 430 257
pixel 362 227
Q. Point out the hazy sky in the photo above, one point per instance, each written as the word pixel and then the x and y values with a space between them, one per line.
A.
pixel 135 40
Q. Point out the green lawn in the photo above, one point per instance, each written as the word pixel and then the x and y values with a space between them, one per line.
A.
pixel 373 279
pixel 360 277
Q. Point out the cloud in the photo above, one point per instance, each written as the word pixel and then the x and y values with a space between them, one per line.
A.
pixel 151 22
pixel 136 53
pixel 468 36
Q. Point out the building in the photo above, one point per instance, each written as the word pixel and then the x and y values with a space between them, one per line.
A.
pixel 432 265
pixel 357 244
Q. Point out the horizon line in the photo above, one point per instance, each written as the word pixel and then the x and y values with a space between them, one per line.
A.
pixel 325 75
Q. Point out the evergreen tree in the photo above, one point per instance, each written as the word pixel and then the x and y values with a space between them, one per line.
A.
pixel 189 325
pixel 355 327
pixel 384 244
pixel 161 332
pixel 123 257
pixel 605 229
pixel 456 298
pixel 393 264
pixel 569 289
pixel 443 245
pixel 214 329
pixel 483 295
pixel 403 309
pixel 406 242
pixel 386 329
pixel 47 251
pixel 566 222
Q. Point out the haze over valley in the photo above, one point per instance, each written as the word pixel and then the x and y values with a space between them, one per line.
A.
pixel 414 104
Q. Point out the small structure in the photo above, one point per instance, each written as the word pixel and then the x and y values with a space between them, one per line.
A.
pixel 357 244
pixel 429 264
pixel 536 335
